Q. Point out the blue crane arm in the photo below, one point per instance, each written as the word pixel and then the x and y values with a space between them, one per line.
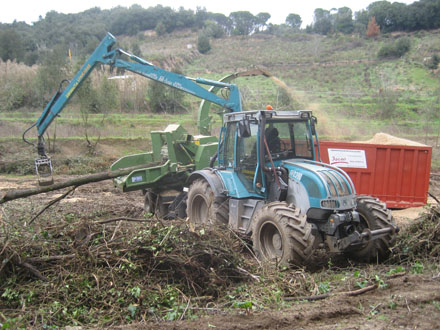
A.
pixel 104 54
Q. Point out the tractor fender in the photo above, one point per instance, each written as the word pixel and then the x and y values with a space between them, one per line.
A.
pixel 209 175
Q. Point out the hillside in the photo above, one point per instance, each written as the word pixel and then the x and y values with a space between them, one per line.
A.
pixel 340 76
pixel 353 93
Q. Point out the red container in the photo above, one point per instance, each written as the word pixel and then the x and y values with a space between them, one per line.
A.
pixel 396 174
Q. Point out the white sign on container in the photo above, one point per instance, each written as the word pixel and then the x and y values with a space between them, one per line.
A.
pixel 347 158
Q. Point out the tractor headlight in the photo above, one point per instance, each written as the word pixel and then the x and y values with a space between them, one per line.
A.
pixel 330 204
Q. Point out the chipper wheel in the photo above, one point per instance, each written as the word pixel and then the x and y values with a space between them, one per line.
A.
pixel 281 234
pixel 373 215
pixel 203 207
pixel 153 204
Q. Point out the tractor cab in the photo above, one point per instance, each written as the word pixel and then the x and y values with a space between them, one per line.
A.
pixel 254 144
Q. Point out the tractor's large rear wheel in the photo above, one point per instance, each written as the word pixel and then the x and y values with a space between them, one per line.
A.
pixel 203 208
pixel 280 234
pixel 373 215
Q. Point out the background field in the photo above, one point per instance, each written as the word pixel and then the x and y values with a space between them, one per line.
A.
pixel 352 92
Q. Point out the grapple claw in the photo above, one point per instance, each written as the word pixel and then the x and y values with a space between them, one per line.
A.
pixel 43 168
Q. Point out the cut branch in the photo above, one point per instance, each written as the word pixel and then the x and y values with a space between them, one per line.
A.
pixel 34 271
pixel 435 198
pixel 326 295
pixel 123 219
pixel 308 298
pixel 361 291
pixel 52 203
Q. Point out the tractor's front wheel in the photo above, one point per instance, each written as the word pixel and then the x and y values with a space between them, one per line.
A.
pixel 373 215
pixel 203 208
pixel 281 234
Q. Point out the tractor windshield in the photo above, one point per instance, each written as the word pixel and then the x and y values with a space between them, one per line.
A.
pixel 289 139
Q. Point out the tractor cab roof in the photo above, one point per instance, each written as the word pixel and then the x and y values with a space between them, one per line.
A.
pixel 268 114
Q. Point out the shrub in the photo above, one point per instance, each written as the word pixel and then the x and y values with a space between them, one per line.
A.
pixel 395 50
pixel 386 103
pixel 403 45
pixel 203 44
pixel 433 62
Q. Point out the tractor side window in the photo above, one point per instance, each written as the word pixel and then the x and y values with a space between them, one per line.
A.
pixel 247 147
pixel 230 145
pixel 303 145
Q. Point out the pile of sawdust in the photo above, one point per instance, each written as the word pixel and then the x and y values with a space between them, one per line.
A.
pixel 387 139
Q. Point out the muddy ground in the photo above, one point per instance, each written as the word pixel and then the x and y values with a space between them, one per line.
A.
pixel 408 301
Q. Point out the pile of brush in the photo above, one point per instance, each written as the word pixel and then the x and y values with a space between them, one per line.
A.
pixel 421 239
pixel 111 272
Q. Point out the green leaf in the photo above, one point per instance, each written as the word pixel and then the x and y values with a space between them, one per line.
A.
pixel 243 304
pixel 132 309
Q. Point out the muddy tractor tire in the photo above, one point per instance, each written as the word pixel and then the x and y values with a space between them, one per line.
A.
pixel 203 208
pixel 373 215
pixel 280 234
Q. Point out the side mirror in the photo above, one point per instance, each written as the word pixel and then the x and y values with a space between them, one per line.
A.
pixel 244 128
pixel 313 122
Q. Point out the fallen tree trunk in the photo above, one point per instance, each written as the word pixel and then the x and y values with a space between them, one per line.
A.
pixel 76 182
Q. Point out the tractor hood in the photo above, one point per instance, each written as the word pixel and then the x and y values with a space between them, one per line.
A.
pixel 318 185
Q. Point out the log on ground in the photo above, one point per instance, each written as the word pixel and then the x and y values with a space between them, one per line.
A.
pixel 76 182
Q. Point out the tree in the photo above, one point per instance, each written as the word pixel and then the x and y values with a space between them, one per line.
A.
pixel 322 22
pixel 11 45
pixel 373 30
pixel 244 23
pixel 344 20
pixel 294 21
pixel 160 29
pixel 223 21
pixel 185 18
pixel 381 10
pixel 261 21
pixel 214 30
pixel 361 21
pixel 201 17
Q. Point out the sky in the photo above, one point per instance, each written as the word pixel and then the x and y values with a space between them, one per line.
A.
pixel 29 11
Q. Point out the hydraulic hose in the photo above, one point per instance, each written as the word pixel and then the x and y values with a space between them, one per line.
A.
pixel 24 135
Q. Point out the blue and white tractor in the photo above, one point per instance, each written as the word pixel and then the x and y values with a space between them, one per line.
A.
pixel 268 184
